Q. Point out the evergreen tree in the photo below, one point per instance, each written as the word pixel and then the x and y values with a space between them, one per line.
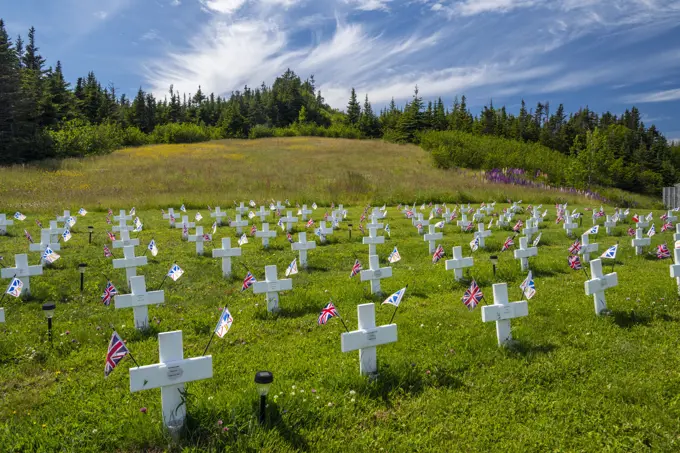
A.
pixel 353 109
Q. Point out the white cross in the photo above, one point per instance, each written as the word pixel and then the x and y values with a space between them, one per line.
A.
pixel 417 218
pixel 271 287
pixel 374 222
pixel 23 272
pixel 171 215
pixel 609 224
pixel 503 220
pixel 217 214
pixel 515 207
pixel 238 224
pixel 598 284
pixel 289 220
pixel 458 263
pixel 336 218
pixel 503 311
pixel 463 223
pixel 226 252
pixel 64 218
pixel 432 237
pixel 481 233
pixel 676 235
pixel 477 216
pixel 640 241
pixel 377 213
pixel 523 253
pixel 587 248
pixel 262 214
pixel 367 337
pixel 122 221
pixel 372 240
pixel 185 221
pixel 124 240
pixel 671 218
pixel 304 212
pixel 375 273
pixel 530 229
pixel 139 301
pixel 278 206
pixel 130 262
pixel 2 315
pixel 170 375
pixel 241 209
pixel 643 223
pixel 594 217
pixel 55 231
pixel 4 223
pixel 302 246
pixel 265 234
pixel 489 209
pixel 45 241
pixel 675 268
pixel 324 229
pixel 199 239
pixel 569 224
pixel 446 214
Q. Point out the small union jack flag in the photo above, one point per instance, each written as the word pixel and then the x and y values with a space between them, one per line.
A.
pixel 575 262
pixel 664 216
pixel 507 244
pixel 575 247
pixel 107 252
pixel 666 226
pixel 112 236
pixel 117 352
pixel 253 230
pixel 108 219
pixel 631 232
pixel 289 237
pixel 39 223
pixel 310 223
pixel 662 251
pixel 110 212
pixel 518 226
pixel 109 292
pixel 355 269
pixel 470 227
pixel 328 312
pixel 438 254
pixel 473 296
pixel 248 282
pixel 206 237
pixel 28 236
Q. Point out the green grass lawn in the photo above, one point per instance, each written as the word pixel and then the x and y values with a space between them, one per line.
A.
pixel 573 381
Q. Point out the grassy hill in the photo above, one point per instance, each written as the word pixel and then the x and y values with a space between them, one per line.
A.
pixel 300 168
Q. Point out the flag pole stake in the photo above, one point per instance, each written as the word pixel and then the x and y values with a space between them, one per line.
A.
pixel 209 341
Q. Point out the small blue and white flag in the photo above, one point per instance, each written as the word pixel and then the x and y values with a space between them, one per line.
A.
pixel 395 299
pixel 224 324
pixel 528 287
pixel 439 224
pixel 280 223
pixel 138 228
pixel 593 230
pixel 292 268
pixel 19 216
pixel 82 212
pixel 474 244
pixel 652 231
pixel 198 217
pixel 71 221
pixel 537 240
pixel 314 206
pixel 50 256
pixel 243 239
pixel 394 256
pixel 388 231
pixel 610 253
pixel 252 204
pixel 214 227
pixel 182 208
pixel 175 272
pixel 14 288
pixel 133 211
pixel 152 247
pixel 66 235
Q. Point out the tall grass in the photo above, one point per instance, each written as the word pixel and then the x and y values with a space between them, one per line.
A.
pixel 304 169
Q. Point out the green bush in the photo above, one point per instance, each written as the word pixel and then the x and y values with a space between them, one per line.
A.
pixel 183 133
pixel 77 139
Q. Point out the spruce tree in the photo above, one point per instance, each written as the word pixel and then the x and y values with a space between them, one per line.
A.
pixel 353 109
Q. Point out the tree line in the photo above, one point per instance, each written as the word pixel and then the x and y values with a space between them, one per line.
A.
pixel 43 116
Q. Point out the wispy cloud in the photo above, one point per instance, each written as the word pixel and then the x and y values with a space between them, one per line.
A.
pixel 655 96
pixel 370 5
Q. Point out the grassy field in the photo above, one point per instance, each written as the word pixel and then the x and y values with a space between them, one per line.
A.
pixel 302 169
pixel 572 382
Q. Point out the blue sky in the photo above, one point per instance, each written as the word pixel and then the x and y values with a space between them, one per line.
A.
pixel 607 54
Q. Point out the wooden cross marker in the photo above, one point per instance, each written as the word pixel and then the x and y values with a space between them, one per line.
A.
pixel 417 218
pixel 375 273
pixel 481 233
pixel 241 209
pixel 262 214
pixel 130 262
pixel 139 301
pixel 4 223
pixel 23 272
pixel 640 241
pixel 265 234
pixel 122 219
pixel 185 221
pixel 523 253
pixel 587 248
pixel 199 238
pixel 569 224
pixel 367 338
pixel 45 241
pixel 372 239
pixel 458 263
pixel 675 268
pixel 239 224
pixel 431 237
pixel 124 240
pixel 302 246
pixel 170 375
pixel 598 284
pixel 226 253
pixel 503 311
pixel 289 220
pixel 271 287
pixel 609 224
pixel 503 220
pixel 218 214
pixel 304 212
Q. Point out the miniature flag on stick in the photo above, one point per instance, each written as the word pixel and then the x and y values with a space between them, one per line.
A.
pixel 107 252
pixel 152 247
pixel 14 288
pixel 394 256
pixel 116 352
pixel 528 287
pixel 109 292
pixel 292 268
pixel 248 281
pixel 224 324
pixel 610 253
pixel 175 272
pixel 473 295
pixel 355 269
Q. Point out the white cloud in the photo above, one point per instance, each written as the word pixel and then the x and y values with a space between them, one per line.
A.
pixel 370 5
pixel 473 7
pixel 101 15
pixel 656 96
pixel 150 35
pixel 223 6
pixel 175 2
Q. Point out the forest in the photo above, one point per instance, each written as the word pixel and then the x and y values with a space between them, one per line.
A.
pixel 44 116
